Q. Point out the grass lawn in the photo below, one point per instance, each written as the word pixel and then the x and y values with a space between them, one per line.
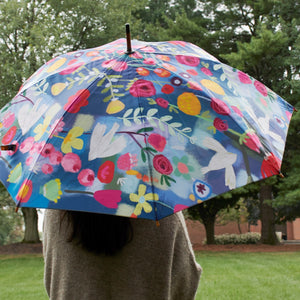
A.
pixel 226 275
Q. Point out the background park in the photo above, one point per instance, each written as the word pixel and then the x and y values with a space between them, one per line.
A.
pixel 258 37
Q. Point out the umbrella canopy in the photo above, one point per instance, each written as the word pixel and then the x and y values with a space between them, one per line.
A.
pixel 140 133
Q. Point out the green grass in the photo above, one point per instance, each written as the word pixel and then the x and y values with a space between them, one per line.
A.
pixel 226 275
pixel 254 276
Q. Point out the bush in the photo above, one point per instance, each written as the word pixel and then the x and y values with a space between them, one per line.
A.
pixel 245 238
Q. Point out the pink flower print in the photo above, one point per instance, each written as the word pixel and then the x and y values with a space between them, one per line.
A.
pixel 47 169
pixel 162 102
pixel 206 71
pixel 220 125
pixel 142 88
pixel 162 165
pixel 237 111
pixel 57 127
pixel 55 157
pixel 136 55
pixel 8 119
pixel 47 150
pixel 86 177
pixel 167 89
pixel 157 141
pixel 127 161
pixel 108 198
pixel 261 88
pixel 10 152
pixel 148 49
pixel 9 135
pixel 27 144
pixel 244 78
pixel 71 162
pixel 252 141
pixel 25 191
pixel 75 102
pixel 149 61
pixel 163 57
pixel 29 160
pixel 194 85
pixel 108 63
pixel 219 107
pixel 192 72
pixel 71 69
pixel 37 148
pixel 120 66
pixel 181 43
pixel 270 166
pixel 188 60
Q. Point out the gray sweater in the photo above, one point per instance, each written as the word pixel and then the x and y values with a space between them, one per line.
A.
pixel 158 264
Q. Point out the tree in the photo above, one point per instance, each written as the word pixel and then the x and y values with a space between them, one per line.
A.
pixel 10 221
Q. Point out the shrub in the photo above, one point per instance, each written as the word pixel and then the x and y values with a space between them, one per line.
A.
pixel 245 238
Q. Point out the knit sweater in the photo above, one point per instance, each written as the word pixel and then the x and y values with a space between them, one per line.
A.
pixel 158 264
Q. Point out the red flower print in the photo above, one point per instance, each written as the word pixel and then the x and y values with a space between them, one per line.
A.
pixel 219 107
pixel 75 102
pixel 244 78
pixel 142 71
pixel 136 55
pixel 9 135
pixel 106 172
pixel 261 88
pixel 157 141
pixel 270 166
pixel 25 191
pixel 86 177
pixel 71 162
pixel 167 89
pixel 252 141
pixel 162 165
pixel 162 102
pixel 188 60
pixel 142 88
pixel 108 198
pixel 162 72
pixel 220 125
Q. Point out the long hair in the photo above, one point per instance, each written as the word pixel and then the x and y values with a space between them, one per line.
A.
pixel 98 233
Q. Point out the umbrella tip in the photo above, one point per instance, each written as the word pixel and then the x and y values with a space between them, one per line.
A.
pixel 128 38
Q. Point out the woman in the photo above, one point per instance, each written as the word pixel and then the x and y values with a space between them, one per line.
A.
pixel 142 261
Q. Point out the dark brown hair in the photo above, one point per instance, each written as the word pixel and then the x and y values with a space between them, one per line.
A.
pixel 98 233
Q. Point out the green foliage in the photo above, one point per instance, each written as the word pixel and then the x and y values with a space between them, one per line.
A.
pixel 237 239
pixel 10 221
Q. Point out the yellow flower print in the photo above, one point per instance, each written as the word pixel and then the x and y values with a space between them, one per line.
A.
pixel 142 199
pixel 71 140
pixel 41 128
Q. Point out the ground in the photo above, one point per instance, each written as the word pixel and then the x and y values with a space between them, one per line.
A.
pixel 21 248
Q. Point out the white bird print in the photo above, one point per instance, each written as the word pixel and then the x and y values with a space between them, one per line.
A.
pixel 105 145
pixel 221 160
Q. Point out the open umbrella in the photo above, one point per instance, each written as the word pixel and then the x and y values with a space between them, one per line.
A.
pixel 143 131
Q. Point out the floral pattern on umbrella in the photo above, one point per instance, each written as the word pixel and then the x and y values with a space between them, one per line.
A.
pixel 141 135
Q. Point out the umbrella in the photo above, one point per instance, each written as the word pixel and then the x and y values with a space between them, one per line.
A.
pixel 138 129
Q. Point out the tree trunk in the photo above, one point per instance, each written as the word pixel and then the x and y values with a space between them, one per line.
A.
pixel 268 234
pixel 31 225
pixel 209 224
